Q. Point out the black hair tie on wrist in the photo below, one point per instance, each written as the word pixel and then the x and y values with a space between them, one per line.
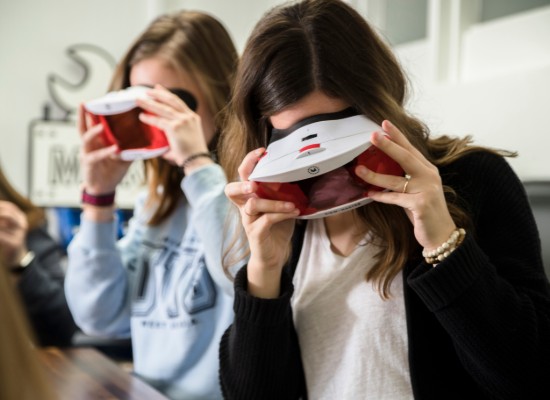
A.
pixel 193 157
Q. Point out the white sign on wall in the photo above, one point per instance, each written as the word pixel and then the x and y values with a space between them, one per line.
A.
pixel 55 179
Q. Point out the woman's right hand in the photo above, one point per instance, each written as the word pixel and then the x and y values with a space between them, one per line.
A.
pixel 268 224
pixel 102 169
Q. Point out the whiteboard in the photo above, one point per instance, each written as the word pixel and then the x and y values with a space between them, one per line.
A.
pixel 54 172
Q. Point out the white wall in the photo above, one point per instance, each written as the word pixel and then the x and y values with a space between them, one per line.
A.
pixel 238 16
pixel 498 91
pixel 497 86
pixel 35 34
pixel 33 39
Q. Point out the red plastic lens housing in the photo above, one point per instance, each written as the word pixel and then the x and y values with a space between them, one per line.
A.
pixel 128 132
pixel 334 188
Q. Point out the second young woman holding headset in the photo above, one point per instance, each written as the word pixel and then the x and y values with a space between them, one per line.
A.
pixel 162 283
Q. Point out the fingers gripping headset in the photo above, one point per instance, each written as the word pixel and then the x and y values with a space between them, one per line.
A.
pixel 312 164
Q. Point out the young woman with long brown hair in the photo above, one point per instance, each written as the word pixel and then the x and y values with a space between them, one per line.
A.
pixel 162 283
pixel 435 290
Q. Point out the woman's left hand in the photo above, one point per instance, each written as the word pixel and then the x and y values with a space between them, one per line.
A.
pixel 421 195
pixel 183 127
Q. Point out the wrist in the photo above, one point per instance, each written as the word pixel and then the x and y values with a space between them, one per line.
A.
pixel 23 262
pixel 435 255
pixel 98 214
pixel 98 200
pixel 19 255
pixel 196 160
pixel 264 282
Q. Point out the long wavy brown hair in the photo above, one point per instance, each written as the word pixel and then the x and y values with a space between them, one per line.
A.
pixel 326 45
pixel 35 215
pixel 199 44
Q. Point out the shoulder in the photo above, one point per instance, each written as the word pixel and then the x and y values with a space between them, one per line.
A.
pixel 40 241
pixel 144 207
pixel 486 185
pixel 481 171
pixel 479 162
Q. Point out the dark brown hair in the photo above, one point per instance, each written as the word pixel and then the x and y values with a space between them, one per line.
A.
pixel 325 45
pixel 199 44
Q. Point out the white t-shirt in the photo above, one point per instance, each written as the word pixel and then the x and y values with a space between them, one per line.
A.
pixel 353 344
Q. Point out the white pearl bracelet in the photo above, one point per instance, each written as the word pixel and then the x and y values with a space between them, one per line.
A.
pixel 443 251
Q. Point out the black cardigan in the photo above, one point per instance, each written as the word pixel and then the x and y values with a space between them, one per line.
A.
pixel 41 290
pixel 478 324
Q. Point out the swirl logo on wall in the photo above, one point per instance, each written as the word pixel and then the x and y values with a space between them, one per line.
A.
pixel 54 143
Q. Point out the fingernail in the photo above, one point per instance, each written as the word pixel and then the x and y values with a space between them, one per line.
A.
pixel 247 187
pixel 288 206
pixel 259 152
pixel 361 170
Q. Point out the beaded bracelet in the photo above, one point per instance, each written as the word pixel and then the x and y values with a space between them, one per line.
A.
pixel 443 251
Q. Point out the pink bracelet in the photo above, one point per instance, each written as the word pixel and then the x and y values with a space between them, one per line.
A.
pixel 102 200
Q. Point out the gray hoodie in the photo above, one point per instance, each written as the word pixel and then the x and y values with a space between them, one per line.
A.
pixel 164 286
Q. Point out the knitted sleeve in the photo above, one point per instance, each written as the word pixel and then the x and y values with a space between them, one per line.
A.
pixel 491 294
pixel 41 290
pixel 259 353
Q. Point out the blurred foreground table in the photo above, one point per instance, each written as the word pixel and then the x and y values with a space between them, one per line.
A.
pixel 85 374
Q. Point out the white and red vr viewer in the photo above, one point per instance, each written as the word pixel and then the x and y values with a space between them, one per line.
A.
pixel 312 164
pixel 118 112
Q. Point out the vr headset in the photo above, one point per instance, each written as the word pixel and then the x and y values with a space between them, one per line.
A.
pixel 118 112
pixel 312 164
